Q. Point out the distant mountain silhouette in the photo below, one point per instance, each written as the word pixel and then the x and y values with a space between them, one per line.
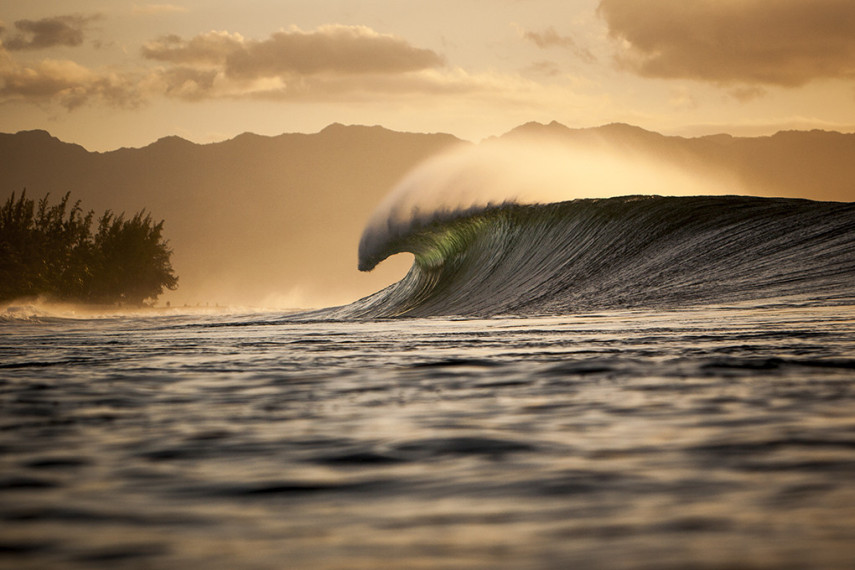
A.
pixel 818 165
pixel 247 217
pixel 256 215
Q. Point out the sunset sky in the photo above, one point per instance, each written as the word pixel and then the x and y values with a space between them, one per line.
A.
pixel 106 74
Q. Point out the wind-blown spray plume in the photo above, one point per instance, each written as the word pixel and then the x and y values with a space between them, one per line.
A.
pixel 519 171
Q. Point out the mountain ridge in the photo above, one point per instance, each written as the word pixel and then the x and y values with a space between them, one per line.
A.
pixel 248 218
pixel 526 128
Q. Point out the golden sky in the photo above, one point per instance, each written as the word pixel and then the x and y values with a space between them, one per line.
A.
pixel 107 73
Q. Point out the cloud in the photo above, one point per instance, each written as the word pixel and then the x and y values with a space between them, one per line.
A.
pixel 364 88
pixel 66 82
pixel 329 63
pixel 731 42
pixel 747 93
pixel 212 48
pixel 188 83
pixel 333 49
pixel 549 38
pixel 196 84
pixel 329 49
pixel 49 32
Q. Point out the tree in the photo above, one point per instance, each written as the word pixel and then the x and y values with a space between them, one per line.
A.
pixel 50 251
pixel 133 260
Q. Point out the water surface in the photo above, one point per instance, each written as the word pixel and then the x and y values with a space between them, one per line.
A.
pixel 713 437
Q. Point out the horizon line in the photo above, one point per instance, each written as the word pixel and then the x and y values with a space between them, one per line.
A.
pixel 335 124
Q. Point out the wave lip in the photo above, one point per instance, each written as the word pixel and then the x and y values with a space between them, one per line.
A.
pixel 631 251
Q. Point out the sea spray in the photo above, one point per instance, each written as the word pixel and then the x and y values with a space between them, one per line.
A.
pixel 523 170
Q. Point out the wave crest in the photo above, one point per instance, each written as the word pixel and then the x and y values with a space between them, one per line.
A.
pixel 468 179
pixel 637 251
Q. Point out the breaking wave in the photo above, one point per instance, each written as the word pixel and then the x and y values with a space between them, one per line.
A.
pixel 610 253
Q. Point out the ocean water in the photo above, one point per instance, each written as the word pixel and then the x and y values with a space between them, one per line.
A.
pixel 576 386
pixel 714 437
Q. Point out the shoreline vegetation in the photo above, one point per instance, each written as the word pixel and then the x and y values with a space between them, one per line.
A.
pixel 53 252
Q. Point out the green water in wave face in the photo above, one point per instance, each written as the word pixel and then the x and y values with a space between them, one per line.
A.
pixel 432 242
pixel 436 245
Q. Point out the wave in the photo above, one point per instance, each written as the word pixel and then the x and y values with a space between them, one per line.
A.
pixel 612 253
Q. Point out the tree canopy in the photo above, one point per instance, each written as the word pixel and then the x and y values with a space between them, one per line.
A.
pixel 51 251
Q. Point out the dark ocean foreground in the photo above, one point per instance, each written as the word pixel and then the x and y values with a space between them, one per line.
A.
pixel 607 406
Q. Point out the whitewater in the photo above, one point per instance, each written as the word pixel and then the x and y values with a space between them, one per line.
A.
pixel 603 379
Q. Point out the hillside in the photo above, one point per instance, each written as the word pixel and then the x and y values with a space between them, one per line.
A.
pixel 253 219
pixel 818 165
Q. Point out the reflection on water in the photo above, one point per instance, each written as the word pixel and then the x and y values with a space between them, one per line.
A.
pixel 717 437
